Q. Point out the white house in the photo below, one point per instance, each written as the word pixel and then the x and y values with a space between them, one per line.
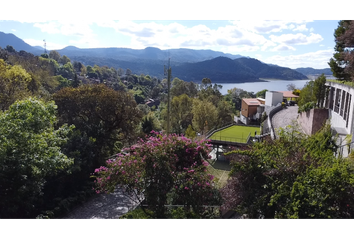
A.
pixel 273 98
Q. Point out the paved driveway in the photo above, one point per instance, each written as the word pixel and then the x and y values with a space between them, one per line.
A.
pixel 285 117
pixel 103 206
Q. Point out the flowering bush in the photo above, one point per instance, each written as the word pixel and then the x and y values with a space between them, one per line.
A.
pixel 161 170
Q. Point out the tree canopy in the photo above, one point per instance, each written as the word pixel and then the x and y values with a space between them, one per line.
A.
pixel 30 150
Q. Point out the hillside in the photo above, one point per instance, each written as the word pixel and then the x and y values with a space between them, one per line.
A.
pixel 262 70
pixel 225 70
pixel 312 71
pixel 149 53
pixel 17 43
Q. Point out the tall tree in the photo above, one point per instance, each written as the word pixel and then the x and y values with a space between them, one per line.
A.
pixel 348 54
pixel 181 115
pixel 14 82
pixel 338 62
pixel 64 60
pixel 319 90
pixel 30 150
pixel 105 115
pixel 205 115
pixel 54 55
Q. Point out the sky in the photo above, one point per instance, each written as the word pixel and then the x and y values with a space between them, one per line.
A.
pixel 258 34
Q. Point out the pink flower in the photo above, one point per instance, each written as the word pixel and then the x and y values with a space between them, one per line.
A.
pixel 186 188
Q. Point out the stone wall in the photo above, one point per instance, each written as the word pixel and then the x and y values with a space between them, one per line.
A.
pixel 313 120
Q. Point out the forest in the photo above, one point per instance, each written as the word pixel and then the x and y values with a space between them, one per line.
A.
pixel 61 120
pixel 70 130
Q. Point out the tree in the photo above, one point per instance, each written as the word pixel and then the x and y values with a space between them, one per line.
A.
pixel 162 170
pixel 319 90
pixel 181 115
pixel 14 82
pixel 294 176
pixel 190 133
pixel 10 49
pixel 64 60
pixel 108 117
pixel 307 94
pixel 128 72
pixel 29 151
pixel 76 82
pixel 67 70
pixel 291 87
pixel 338 62
pixel 77 66
pixel 205 116
pixel 348 54
pixel 150 123
pixel 120 71
pixel 225 114
pixel 261 94
pixel 54 55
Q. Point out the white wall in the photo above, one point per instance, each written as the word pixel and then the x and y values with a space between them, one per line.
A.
pixel 272 98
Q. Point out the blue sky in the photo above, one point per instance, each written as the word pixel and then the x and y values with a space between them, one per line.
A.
pixel 288 43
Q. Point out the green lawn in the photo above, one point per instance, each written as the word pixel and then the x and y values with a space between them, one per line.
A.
pixel 235 134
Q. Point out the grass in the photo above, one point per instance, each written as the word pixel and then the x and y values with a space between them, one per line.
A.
pixel 348 83
pixel 235 133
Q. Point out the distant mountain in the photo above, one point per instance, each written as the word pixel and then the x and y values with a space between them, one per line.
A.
pixel 187 64
pixel 39 47
pixel 226 70
pixel 150 53
pixel 263 70
pixel 17 43
pixel 312 71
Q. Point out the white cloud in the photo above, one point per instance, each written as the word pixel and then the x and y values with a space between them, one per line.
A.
pixel 14 30
pixel 297 39
pixel 23 19
pixel 318 59
pixel 283 47
pixel 301 28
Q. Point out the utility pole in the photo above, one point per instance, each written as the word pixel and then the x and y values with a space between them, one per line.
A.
pixel 168 95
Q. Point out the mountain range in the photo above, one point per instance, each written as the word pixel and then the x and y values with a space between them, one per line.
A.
pixel 186 64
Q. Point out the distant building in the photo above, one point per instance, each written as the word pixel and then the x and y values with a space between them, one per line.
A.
pixel 273 98
pixel 250 110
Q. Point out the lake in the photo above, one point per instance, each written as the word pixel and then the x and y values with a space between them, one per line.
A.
pixel 271 85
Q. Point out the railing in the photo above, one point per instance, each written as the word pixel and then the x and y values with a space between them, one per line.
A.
pixel 232 139
pixel 210 133
pixel 341 149
pixel 270 115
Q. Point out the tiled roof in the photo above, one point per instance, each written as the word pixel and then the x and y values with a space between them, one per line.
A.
pixel 251 101
pixel 288 94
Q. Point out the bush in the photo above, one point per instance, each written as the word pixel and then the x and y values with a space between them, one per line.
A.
pixel 307 107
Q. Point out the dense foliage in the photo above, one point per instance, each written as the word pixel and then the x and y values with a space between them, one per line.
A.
pixel 30 151
pixel 295 176
pixel 162 170
pixel 341 63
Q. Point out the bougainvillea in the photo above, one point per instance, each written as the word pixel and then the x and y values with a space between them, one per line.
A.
pixel 162 170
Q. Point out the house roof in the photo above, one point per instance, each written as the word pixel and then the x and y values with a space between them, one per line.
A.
pixel 288 94
pixel 251 101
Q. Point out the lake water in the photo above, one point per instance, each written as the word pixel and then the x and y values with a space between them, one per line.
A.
pixel 271 85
